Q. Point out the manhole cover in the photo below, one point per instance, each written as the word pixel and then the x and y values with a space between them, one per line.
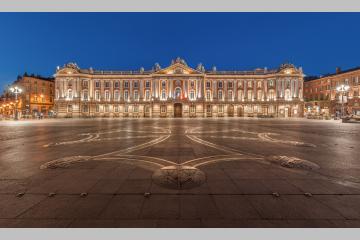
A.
pixel 179 177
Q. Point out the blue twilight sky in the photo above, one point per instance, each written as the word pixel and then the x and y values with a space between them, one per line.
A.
pixel 38 42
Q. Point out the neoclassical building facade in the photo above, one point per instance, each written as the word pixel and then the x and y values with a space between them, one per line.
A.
pixel 179 91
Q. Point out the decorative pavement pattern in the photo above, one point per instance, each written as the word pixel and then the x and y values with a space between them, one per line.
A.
pixel 179 173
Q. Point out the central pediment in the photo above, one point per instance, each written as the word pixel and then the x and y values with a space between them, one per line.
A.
pixel 178 66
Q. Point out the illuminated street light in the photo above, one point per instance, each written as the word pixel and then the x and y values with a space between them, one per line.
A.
pixel 342 89
pixel 16 91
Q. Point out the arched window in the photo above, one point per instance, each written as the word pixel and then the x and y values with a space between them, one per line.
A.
pixel 192 95
pixel 177 92
pixel 70 94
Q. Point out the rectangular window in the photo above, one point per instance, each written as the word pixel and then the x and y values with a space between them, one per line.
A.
pixel 136 84
pixel 147 95
pixel 221 108
pixel 126 108
pixel 107 84
pixel 126 95
pixel 147 84
pixel 97 84
pixel 208 84
pixel 230 84
pixel 126 84
pixel 220 84
pixel 97 108
pixel 192 95
pixel 220 95
pixel 136 95
pixel 107 108
pixel 116 84
pixel 116 95
pixel 116 108
pixel 207 95
pixel 192 108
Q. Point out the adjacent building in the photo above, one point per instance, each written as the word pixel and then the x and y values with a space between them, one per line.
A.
pixel 179 91
pixel 36 99
pixel 322 98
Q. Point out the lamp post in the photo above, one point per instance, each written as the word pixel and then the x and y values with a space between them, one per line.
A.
pixel 16 91
pixel 342 89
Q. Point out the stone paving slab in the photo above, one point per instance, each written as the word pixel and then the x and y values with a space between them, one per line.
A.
pixel 237 192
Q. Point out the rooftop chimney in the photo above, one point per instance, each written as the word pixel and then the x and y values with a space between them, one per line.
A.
pixel 338 70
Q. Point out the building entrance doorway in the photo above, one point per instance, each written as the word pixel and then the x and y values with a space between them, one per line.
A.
pixel 177 110
pixel 231 110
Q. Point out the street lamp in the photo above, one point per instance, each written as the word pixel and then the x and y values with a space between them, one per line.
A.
pixel 16 91
pixel 342 89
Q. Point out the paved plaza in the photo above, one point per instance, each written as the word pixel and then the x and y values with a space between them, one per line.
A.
pixel 225 172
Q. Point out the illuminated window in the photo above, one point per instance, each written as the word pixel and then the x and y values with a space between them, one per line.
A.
pixel 97 95
pixel 230 95
pixel 85 95
pixel 107 95
pixel 177 93
pixel 116 108
pixel 163 94
pixel 192 108
pixel 240 95
pixel 126 95
pixel 116 95
pixel 192 95
pixel 249 84
pixel 259 84
pixel 126 108
pixel 147 95
pixel 249 94
pixel 208 95
pixel 136 95
pixel 147 84
pixel 70 94
pixel 97 108
pixel 220 95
